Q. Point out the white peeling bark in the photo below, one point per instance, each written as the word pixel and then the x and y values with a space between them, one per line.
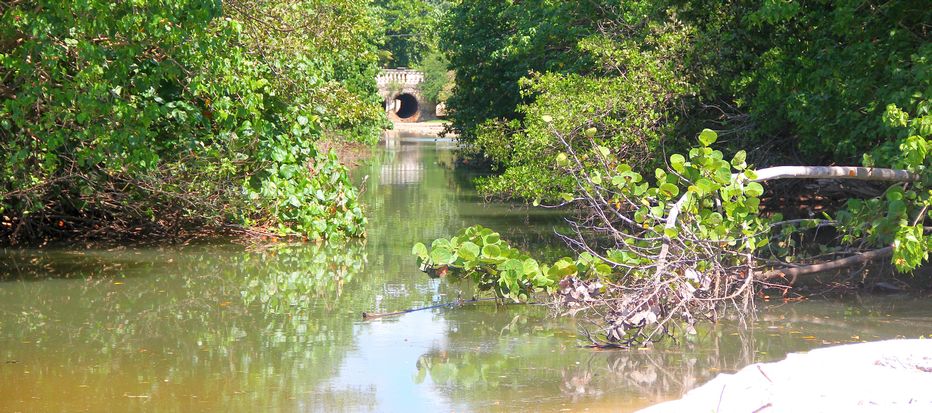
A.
pixel 834 172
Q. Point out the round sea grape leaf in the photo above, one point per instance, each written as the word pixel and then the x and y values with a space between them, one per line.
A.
pixel 441 256
pixel 440 242
pixel 754 189
pixel 420 250
pixel 678 162
pixel 491 251
pixel 670 189
pixel 740 160
pixel 468 251
pixel 708 137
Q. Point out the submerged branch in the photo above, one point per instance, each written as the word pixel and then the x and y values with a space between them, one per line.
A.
pixel 457 303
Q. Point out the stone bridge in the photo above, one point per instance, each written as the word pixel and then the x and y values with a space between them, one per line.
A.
pixel 401 92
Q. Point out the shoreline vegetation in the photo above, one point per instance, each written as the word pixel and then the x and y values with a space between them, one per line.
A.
pixel 663 126
pixel 708 154
pixel 166 119
pixel 658 125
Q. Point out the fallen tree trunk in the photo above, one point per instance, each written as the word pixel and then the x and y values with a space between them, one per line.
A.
pixel 834 172
pixel 853 260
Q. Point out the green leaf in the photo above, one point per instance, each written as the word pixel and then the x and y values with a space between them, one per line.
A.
pixel 723 175
pixel 491 251
pixel 596 178
pixel 708 137
pixel 678 163
pixel 670 189
pixel 660 174
pixel 420 250
pixel 705 186
pixel 739 161
pixel 441 256
pixel 619 181
pixel 512 265
pixel 562 268
pixel 441 243
pixel 468 251
pixel 754 189
pixel 562 159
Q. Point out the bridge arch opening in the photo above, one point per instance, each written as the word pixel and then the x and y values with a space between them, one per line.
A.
pixel 406 106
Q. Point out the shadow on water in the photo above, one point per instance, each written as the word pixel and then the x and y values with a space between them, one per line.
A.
pixel 226 327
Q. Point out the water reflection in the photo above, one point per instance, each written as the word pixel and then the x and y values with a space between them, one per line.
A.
pixel 210 325
pixel 222 326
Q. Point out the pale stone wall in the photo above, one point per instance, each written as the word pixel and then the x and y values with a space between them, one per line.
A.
pixel 393 83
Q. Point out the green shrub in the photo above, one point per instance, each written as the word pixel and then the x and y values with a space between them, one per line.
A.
pixel 152 116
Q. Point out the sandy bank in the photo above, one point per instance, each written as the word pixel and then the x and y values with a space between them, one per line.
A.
pixel 883 376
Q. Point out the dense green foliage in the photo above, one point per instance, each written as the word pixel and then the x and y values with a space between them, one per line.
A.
pixel 438 79
pixel 149 115
pixel 783 79
pixel 693 234
pixel 481 254
pixel 626 110
pixel 817 75
pixel 410 29
pixel 492 44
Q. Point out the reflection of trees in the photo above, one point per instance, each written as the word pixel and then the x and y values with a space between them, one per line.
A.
pixel 515 360
pixel 441 203
pixel 219 322
pixel 251 328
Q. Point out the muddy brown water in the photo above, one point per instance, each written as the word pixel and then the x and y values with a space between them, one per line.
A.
pixel 223 327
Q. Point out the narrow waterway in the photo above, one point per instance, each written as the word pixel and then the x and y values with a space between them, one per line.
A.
pixel 227 327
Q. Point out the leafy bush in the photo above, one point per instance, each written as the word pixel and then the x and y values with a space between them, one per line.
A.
pixel 628 109
pixel 784 80
pixel 678 244
pixel 438 79
pixel 141 117
pixel 492 44
pixel 821 74
pixel 410 29
pixel 480 254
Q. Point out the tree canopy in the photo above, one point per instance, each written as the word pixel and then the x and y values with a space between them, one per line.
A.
pixel 153 116
pixel 806 81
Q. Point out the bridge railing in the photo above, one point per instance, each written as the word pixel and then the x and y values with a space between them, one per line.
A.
pixel 399 76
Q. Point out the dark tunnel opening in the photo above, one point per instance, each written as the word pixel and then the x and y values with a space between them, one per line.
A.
pixel 407 106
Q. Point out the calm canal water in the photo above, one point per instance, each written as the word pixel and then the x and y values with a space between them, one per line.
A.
pixel 223 327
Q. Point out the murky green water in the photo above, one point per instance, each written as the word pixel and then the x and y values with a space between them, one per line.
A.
pixel 231 328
